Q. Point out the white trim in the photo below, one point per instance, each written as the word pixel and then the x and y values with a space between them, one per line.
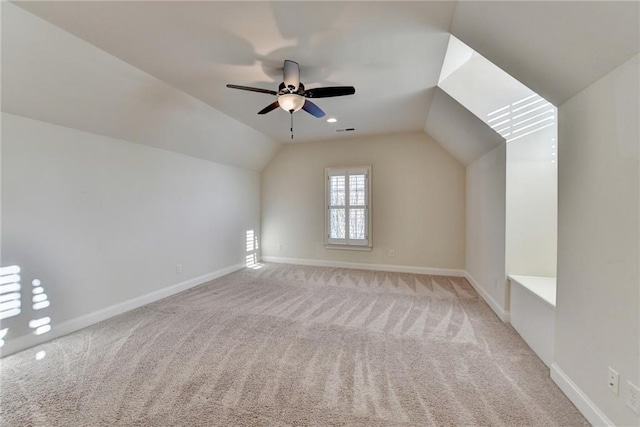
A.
pixel 541 288
pixel 348 247
pixel 365 266
pixel 591 412
pixel 502 314
pixel 27 341
pixel 347 172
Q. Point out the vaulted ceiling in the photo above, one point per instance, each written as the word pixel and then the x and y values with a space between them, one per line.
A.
pixel 392 52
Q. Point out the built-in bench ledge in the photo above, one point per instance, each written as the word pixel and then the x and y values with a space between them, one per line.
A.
pixel 541 287
pixel 532 307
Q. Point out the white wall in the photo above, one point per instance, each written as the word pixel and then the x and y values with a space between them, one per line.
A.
pixel 418 193
pixel 101 221
pixel 598 302
pixel 532 205
pixel 485 249
pixel 481 86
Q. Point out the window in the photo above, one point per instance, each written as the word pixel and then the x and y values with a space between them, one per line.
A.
pixel 347 196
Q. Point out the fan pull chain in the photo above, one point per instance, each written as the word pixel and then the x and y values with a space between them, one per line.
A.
pixel 291 112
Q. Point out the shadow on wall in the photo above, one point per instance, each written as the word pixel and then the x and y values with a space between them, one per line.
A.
pixel 11 305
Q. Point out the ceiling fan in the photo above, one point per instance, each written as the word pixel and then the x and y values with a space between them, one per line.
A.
pixel 292 95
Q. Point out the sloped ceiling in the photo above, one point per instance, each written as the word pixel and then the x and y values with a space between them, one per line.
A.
pixel 458 130
pixel 556 48
pixel 392 52
pixel 53 76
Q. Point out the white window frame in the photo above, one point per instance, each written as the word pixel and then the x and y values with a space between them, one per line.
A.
pixel 348 243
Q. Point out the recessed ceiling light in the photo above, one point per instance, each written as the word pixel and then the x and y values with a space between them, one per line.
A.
pixel 332 120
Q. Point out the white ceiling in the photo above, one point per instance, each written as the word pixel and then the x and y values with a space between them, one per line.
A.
pixel 556 48
pixel 391 52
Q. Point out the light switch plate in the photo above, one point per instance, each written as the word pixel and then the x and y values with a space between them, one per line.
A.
pixel 613 381
pixel 633 397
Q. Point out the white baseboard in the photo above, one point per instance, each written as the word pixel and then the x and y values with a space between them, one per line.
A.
pixel 590 411
pixel 502 314
pixel 365 266
pixel 24 342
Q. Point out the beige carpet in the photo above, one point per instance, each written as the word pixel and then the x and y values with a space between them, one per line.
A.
pixel 291 345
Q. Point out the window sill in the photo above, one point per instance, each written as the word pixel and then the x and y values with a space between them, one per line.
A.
pixel 348 247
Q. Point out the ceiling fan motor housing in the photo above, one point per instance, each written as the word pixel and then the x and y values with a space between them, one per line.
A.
pixel 283 89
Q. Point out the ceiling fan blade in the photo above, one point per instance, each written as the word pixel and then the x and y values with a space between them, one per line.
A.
pixel 291 74
pixel 312 109
pixel 269 108
pixel 253 89
pixel 328 92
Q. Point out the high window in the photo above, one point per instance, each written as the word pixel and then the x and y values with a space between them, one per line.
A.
pixel 347 218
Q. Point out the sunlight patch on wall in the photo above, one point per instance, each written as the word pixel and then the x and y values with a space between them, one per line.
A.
pixel 523 117
pixel 3 333
pixel 251 258
pixel 10 299
pixel 39 298
pixel 41 325
pixel 498 99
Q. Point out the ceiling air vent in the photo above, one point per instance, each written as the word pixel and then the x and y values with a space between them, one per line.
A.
pixel 346 130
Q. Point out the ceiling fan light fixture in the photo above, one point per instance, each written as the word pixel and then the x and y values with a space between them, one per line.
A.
pixel 291 101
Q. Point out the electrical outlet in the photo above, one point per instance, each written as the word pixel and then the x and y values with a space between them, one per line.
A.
pixel 613 381
pixel 178 268
pixel 633 397
pixel 280 247
pixel 392 253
